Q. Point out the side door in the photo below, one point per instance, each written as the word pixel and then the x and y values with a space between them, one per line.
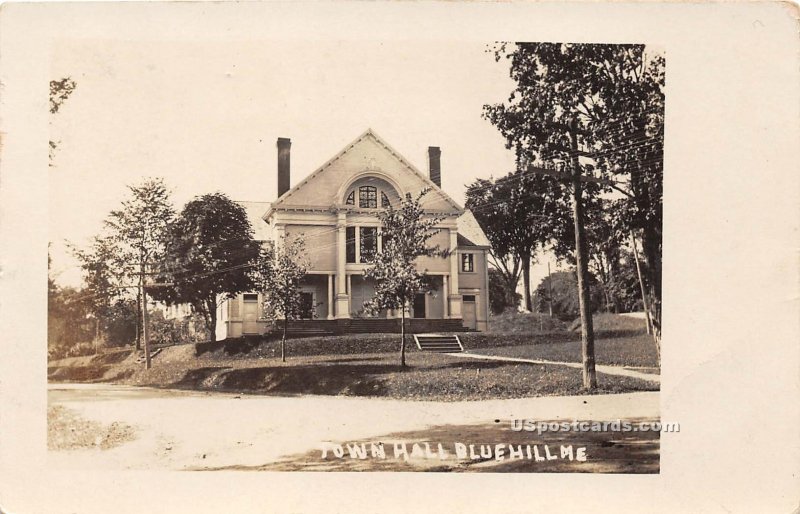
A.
pixel 250 314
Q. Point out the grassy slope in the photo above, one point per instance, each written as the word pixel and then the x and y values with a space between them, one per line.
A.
pixel 366 365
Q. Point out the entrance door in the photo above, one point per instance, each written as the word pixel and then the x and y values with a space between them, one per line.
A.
pixel 468 311
pixel 306 306
pixel 250 314
pixel 419 305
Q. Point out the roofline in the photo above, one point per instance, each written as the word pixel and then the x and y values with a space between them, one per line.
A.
pixel 348 147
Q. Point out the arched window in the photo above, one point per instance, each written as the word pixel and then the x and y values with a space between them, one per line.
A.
pixel 371 193
pixel 368 197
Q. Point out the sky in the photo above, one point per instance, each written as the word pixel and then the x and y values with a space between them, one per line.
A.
pixel 205 116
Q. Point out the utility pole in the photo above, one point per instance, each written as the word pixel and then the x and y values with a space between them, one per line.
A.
pixel 549 290
pixel 641 285
pixel 581 258
pixel 143 292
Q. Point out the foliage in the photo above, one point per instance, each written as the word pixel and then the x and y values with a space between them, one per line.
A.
pixel 405 232
pixel 501 296
pixel 565 294
pixel 519 213
pixel 211 252
pixel 278 274
pixel 101 283
pixel 60 90
pixel 68 322
pixel 613 94
pixel 140 232
pixel 171 331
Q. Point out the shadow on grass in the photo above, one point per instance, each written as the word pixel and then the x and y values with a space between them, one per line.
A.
pixel 343 377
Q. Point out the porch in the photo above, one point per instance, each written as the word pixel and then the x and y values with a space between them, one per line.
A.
pixel 314 327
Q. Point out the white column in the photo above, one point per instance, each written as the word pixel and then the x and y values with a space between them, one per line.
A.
pixel 455 296
pixel 445 293
pixel 342 298
pixel 330 296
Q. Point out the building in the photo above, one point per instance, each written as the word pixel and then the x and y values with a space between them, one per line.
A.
pixel 335 209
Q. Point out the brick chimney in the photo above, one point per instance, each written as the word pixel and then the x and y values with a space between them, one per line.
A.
pixel 284 146
pixel 434 165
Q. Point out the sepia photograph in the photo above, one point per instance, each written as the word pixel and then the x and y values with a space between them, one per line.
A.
pixel 478 288
pixel 402 257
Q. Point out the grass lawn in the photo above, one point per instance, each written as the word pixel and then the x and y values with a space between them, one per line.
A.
pixel 636 351
pixel 367 365
pixel 428 377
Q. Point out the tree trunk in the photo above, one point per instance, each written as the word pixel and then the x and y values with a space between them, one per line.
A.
pixel 526 278
pixel 138 320
pixel 587 330
pixel 96 334
pixel 147 363
pixel 212 318
pixel 283 338
pixel 403 336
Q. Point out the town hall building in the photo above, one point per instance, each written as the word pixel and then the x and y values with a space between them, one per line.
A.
pixel 335 210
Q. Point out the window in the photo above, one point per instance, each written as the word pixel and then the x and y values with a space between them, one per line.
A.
pixel 369 243
pixel 469 298
pixel 351 198
pixel 384 200
pixel 467 262
pixel 351 244
pixel 368 197
pixel 251 297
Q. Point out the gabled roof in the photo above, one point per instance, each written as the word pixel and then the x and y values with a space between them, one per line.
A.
pixel 470 232
pixel 369 133
pixel 255 212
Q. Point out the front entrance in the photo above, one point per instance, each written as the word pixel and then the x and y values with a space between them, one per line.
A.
pixel 419 305
pixel 468 311
pixel 306 305
pixel 250 314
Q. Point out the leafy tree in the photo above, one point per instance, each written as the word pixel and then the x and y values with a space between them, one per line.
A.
pixel 279 274
pixel 566 304
pixel 519 214
pixel 405 231
pixel 141 232
pixel 102 289
pixel 501 296
pixel 610 100
pixel 211 253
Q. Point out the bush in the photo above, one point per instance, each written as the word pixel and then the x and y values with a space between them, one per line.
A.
pixel 167 332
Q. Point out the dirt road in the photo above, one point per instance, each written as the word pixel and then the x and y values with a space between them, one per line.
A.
pixel 179 430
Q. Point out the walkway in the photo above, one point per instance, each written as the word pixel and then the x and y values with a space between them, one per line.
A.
pixel 608 370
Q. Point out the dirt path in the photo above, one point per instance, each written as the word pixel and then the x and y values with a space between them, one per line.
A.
pixel 608 370
pixel 190 430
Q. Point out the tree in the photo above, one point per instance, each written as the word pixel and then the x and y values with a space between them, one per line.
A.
pixel 212 252
pixel 102 289
pixel 519 213
pixel 279 274
pixel 60 90
pixel 405 232
pixel 595 108
pixel 141 231
pixel 501 296
pixel 565 301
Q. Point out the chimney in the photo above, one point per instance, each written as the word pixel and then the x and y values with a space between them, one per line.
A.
pixel 434 166
pixel 284 146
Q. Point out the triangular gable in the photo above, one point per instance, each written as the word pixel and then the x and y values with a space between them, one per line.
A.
pixel 367 153
pixel 470 230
